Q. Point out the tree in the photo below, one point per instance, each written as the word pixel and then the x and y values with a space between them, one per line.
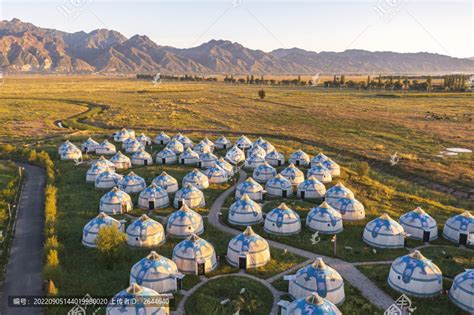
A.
pixel 429 83
pixel 362 169
pixel 261 94
pixel 52 290
pixel 110 243
pixel 343 79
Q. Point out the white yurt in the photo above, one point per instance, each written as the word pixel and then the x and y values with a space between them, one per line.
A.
pixel 419 225
pixel 216 175
pixel 460 229
pixel 279 186
pixel 226 166
pixel 123 135
pixel 202 148
pixel 145 232
pixel 207 159
pixel 324 219
pixel 89 145
pixel 318 277
pixel 275 159
pixel 264 172
pixel 144 140
pixel 71 153
pixel 254 161
pixel 179 137
pixel 384 232
pixel 141 157
pixel 127 143
pixel 282 221
pixel 243 143
pixel 134 146
pixel 251 188
pixel 184 222
pixel 104 162
pixel 63 146
pixel 115 201
pixel 162 138
pixel 106 148
pixel 311 188
pixel 414 274
pixel 121 161
pixel 91 229
pixel 223 143
pixel 107 179
pixel 153 197
pixel 197 179
pixel 320 158
pixel 175 146
pixel 293 174
pixel 256 150
pixel 132 183
pixel 248 250
pixel 338 191
pixel 333 167
pixel 351 209
pixel 93 171
pixel 190 196
pixel 187 143
pixel 195 256
pixel 167 182
pixel 266 145
pixel 320 172
pixel 235 155
pixel 166 156
pixel 125 302
pixel 209 143
pixel 299 158
pixel 245 211
pixel 189 157
pixel 155 272
pixel 462 291
pixel 312 304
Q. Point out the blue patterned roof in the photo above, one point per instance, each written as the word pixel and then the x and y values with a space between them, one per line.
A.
pixel 330 164
pixel 108 175
pixel 153 191
pixel 274 155
pixel 185 215
pixel 188 191
pixel 266 169
pixel 319 277
pixel 149 265
pixel 324 210
pixel 165 153
pixel 339 190
pixel 245 205
pixel 313 305
pixel 162 136
pixel 189 154
pixel 97 168
pixel 282 215
pixel 94 225
pixel 249 241
pixel 344 205
pixel 199 247
pixel 115 194
pixel 292 172
pixel 416 267
pixel 144 227
pixel 208 157
pixel 164 180
pixel 131 179
pixel 384 225
pixel 462 222
pixel 320 158
pixel 119 157
pixel 418 218
pixel 249 186
pixel 222 140
pixel 312 184
pixel 280 182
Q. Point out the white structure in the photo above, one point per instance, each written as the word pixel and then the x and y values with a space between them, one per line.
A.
pixel 275 159
pixel 251 188
pixel 264 172
pixel 419 225
pixel 243 143
pixel 106 148
pixel 127 143
pixel 166 156
pixel 338 191
pixel 71 153
pixel 123 135
pixel 320 172
pixel 104 162
pixel 462 291
pixel 414 274
pixel 460 229
pixel 195 256
pixel 175 146
pixel 320 158
pixel 144 140
pixel 256 150
pixel 93 171
pixel 91 229
pixel 248 250
pixel 311 188
pixel 162 138
pixel 245 212
pixel 187 143
pixel 279 186
pixel 89 145
pixel 189 157
pixel 141 157
pixel 64 146
pixel 351 209
pixel 145 232
pixel 121 161
pixel 190 196
pixel 184 222
pixel 209 143
pixel 235 155
pixel 299 158
pixel 107 179
pixel 115 202
pixel 226 166
pixel 254 161
pixel 223 143
pixel 132 183
pixel 197 179
pixel 145 305
pixel 134 146
pixel 293 174
pixel 202 148
pixel 384 232
pixel 168 182
pixel 282 221
pixel 333 167
pixel 324 219
pixel 153 197
pixel 267 146
pixel 312 304
pixel 207 159
pixel 216 175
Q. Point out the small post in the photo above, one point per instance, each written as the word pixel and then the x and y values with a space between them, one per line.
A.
pixel 334 241
pixel 9 212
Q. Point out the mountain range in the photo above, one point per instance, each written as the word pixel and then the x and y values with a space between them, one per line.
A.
pixel 31 49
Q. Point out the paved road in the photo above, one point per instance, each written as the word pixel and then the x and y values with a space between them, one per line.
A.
pixel 24 269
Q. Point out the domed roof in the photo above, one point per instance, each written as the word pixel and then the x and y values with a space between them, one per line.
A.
pixel 175 145
pixel 208 142
pixel 189 154
pixel 265 168
pixel 133 143
pixel 186 141
pixel 282 215
pixel 143 137
pixel 152 264
pixel 63 146
pixel 462 290
pixel 164 180
pixel 96 169
pixel 208 157
pixel 166 153
pixel 299 155
pixel 279 181
pixel 141 154
pixel 162 136
pixel 248 242
pixel 178 137
pixel 312 184
pixel 90 143
pixel 94 225
pixel 245 205
pixel 153 192
pixel 255 159
pixel 313 305
pixel 106 144
pixel 243 142
pixel 115 196
pixel 108 175
pixel 188 191
pixel 330 164
pixel 338 191
pixel 292 173
pixel 257 150
pixel 103 161
pixel 119 157
pixel 224 165
pixel 317 168
pixel 137 293
pixel 264 144
pixel 235 155
pixel 132 179
pixel 463 221
pixel 320 158
pixel 70 149
pixel 384 225
pixel 202 147
pixel 418 218
pixel 195 177
pixel 185 220
pixel 144 227
pixel 223 141
pixel 193 248
pixel 324 213
pixel 249 186
pixel 215 171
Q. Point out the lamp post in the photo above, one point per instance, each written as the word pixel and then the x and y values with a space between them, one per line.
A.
pixel 334 242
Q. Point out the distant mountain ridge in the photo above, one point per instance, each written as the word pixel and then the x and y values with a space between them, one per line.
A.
pixel 25 47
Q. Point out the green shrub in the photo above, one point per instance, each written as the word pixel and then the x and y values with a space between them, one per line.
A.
pixel 362 168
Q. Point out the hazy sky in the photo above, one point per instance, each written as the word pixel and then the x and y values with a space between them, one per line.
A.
pixel 444 27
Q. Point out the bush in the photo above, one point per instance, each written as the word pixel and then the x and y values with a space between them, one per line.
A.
pixel 52 260
pixel 111 244
pixel 52 290
pixel 362 169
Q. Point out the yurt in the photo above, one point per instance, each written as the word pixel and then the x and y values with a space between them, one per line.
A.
pixel 317 277
pixel 460 229
pixel 184 222
pixel 71 153
pixel 190 196
pixel 144 305
pixel 167 182
pixel 145 232
pixel 115 201
pixel 93 171
pixel 132 183
pixel 293 174
pixel 141 157
pixel 414 274
pixel 419 225
pixel 207 159
pixel 202 148
pixel 333 167
pixel 166 156
pixel 320 158
pixel 63 146
pixel 275 159
pixel 121 161
pixel 134 146
pixel 179 137
pixel 189 157
pixel 127 143
pixel 155 272
pixel 197 179
pixel 338 191
pixel 256 150
pixel 251 188
pixel 299 158
pixel 89 145
pixel 279 186
pixel 248 250
pixel 384 232
pixel 320 172
pixel 243 143
pixel 312 304
pixel 462 291
pixel 106 148
pixel 245 211
pixel 282 221
pixel 187 143
pixel 351 209
pixel 209 143
pixel 216 175
pixel 267 146
pixel 311 188
pixel 264 172
pixel 123 135
pixel 324 219
pixel 254 161
pixel 175 146
pixel 144 140
pixel 104 162
pixel 162 138
pixel 153 197
pixel 235 155
pixel 107 179
pixel 195 256
pixel 226 166
pixel 223 143
pixel 91 229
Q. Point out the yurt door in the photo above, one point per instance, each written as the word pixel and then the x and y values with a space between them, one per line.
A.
pixel 124 207
pixel 179 283
pixel 243 262
pixel 283 193
pixel 225 146
pixel 180 203
pixel 201 269
pixel 279 163
pixel 182 161
pixel 302 194
pixel 426 236
pixel 462 239
pixel 151 204
pixel 163 161
pixel 161 142
pixel 200 164
pixel 297 163
pixel 145 162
